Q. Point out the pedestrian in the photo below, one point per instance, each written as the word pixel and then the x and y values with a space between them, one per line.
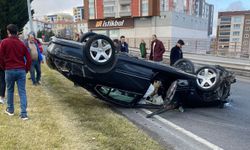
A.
pixel 16 63
pixel 2 84
pixel 37 41
pixel 176 52
pixel 116 44
pixel 143 49
pixel 36 57
pixel 157 49
pixel 123 45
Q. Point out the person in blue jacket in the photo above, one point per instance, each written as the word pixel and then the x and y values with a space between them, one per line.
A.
pixel 37 59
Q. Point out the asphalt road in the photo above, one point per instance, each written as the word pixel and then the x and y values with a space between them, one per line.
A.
pixel 228 128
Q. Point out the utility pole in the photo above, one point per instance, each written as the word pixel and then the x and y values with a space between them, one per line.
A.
pixel 30 16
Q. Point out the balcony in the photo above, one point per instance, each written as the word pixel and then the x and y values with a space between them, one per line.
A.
pixel 124 2
pixel 109 2
pixel 109 14
pixel 225 22
pixel 125 13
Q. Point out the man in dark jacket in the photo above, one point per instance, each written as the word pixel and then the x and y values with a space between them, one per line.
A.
pixel 176 52
pixel 157 49
pixel 16 63
pixel 123 46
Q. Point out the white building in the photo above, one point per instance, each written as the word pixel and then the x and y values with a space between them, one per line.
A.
pixel 37 25
pixel 78 14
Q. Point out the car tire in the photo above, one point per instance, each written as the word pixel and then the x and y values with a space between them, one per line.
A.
pixel 99 53
pixel 208 78
pixel 185 65
pixel 85 37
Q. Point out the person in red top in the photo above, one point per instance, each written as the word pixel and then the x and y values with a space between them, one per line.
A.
pixel 16 63
pixel 157 49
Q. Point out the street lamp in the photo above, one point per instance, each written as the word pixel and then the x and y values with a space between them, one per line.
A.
pixel 30 16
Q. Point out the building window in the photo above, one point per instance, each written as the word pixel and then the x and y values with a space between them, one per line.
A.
pixel 109 9
pixel 225 19
pixel 175 5
pixel 91 9
pixel 237 19
pixel 185 5
pixel 224 46
pixel 245 43
pixel 235 39
pixel 246 36
pixel 224 40
pixel 247 28
pixel 236 33
pixel 125 8
pixel 224 33
pixel 164 5
pixel 236 26
pixel 247 21
pixel 225 27
pixel 144 8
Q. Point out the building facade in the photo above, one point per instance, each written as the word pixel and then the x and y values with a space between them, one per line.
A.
pixel 58 17
pixel 78 14
pixel 38 25
pixel 233 33
pixel 170 20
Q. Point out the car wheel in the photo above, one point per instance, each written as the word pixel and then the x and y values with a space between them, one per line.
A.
pixel 100 54
pixel 207 78
pixel 85 37
pixel 185 65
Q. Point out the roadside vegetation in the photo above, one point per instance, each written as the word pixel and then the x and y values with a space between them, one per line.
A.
pixel 65 117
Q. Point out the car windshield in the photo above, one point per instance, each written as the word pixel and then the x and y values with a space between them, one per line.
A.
pixel 116 94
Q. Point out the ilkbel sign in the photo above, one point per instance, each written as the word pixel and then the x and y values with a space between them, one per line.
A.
pixel 111 23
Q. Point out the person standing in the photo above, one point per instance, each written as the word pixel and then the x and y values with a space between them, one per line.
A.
pixel 123 45
pixel 116 44
pixel 143 49
pixel 36 57
pixel 16 63
pixel 176 52
pixel 2 84
pixel 157 50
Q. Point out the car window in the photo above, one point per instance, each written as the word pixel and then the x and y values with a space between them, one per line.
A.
pixel 116 94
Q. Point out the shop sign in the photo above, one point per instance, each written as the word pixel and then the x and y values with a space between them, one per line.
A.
pixel 111 23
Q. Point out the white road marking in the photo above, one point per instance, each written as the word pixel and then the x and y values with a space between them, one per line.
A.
pixel 184 131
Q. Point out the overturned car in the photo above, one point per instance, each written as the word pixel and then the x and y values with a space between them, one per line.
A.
pixel 125 80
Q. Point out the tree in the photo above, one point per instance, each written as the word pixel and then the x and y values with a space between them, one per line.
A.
pixel 39 34
pixel 47 34
pixel 13 12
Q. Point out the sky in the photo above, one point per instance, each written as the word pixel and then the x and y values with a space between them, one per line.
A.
pixel 46 7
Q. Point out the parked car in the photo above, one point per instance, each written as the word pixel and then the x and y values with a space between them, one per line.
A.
pixel 122 79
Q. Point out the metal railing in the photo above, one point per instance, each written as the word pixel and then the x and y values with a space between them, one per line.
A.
pixel 199 46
